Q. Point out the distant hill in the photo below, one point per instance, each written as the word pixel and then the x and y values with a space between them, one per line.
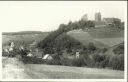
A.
pixel 26 37
pixel 23 32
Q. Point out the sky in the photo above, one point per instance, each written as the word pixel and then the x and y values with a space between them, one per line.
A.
pixel 48 15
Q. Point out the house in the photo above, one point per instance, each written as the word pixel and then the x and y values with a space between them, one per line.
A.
pixel 47 57
pixel 77 54
pixel 29 54
pixel 12 46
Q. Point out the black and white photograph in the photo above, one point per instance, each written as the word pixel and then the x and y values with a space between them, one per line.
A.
pixel 63 40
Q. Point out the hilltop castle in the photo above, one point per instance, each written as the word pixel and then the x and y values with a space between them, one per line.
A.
pixel 99 22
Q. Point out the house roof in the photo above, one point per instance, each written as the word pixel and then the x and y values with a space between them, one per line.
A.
pixel 46 56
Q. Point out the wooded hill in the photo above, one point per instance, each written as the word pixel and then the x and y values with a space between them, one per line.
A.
pixel 91 55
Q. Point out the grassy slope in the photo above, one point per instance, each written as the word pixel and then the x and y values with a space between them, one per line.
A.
pixel 37 71
pixel 101 37
pixel 106 32
pixel 85 38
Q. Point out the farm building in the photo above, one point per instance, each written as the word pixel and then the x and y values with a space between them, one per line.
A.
pixel 47 57
pixel 109 21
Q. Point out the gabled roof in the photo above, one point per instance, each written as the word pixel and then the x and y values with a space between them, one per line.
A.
pixel 46 56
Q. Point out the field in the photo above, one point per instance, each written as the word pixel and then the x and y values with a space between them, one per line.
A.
pixel 17 70
pixel 101 37
pixel 85 38
pixel 66 72
pixel 27 38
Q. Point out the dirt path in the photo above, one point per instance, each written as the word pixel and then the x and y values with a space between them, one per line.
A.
pixel 12 68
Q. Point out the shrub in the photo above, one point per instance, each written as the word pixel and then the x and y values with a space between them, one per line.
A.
pixel 5 54
pixel 117 62
pixel 119 49
pixel 66 62
pixel 98 58
pixel 32 60
pixel 53 62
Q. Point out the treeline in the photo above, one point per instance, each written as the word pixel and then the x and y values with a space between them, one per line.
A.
pixel 61 43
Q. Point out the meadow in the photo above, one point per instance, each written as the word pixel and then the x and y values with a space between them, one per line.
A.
pixel 101 37
pixel 15 69
pixel 37 71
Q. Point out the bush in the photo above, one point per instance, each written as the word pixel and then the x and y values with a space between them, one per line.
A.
pixel 119 49
pixel 78 62
pixel 53 62
pixel 32 60
pixel 66 62
pixel 117 62
pixel 5 54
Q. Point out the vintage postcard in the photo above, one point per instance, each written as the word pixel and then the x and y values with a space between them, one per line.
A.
pixel 76 41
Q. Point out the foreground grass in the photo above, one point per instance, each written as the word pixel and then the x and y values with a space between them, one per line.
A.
pixel 38 71
pixel 15 69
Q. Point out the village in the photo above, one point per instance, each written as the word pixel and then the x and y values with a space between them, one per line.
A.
pixel 22 52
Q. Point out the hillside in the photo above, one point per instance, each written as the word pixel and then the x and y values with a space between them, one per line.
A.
pixel 106 32
pixel 119 49
pixel 85 38
pixel 101 37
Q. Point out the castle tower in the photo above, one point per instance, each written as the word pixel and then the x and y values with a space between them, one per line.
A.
pixel 98 16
